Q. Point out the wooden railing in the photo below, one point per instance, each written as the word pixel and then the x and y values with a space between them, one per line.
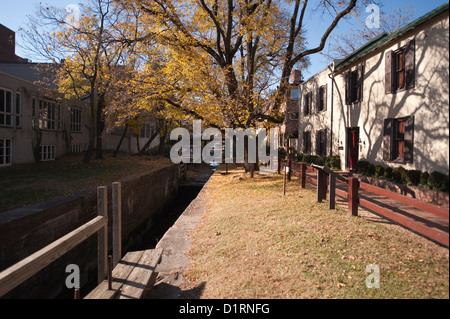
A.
pixel 349 189
pixel 13 276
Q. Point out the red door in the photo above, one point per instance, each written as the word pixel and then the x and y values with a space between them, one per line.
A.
pixel 352 147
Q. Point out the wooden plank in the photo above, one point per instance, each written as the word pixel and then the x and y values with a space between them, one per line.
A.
pixel 102 209
pixel 141 275
pixel 21 271
pixel 436 235
pixel 119 274
pixel 332 194
pixel 117 222
pixel 433 209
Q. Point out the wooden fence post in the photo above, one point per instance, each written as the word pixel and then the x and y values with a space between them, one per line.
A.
pixel 279 165
pixel 332 195
pixel 290 169
pixel 102 209
pixel 117 222
pixel 303 174
pixel 319 185
pixel 353 185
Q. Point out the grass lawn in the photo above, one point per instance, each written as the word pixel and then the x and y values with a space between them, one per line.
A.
pixel 27 184
pixel 254 242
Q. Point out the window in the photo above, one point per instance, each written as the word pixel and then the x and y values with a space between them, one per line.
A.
pixel 5 152
pixel 18 110
pixel 294 94
pixel 398 141
pixel 400 68
pixel 75 148
pixel 48 152
pixel 6 108
pixel 354 85
pixel 75 119
pixel 307 142
pixel 145 131
pixel 307 103
pixel 321 143
pixel 322 99
pixel 48 115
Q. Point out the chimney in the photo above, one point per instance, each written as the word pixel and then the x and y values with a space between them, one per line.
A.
pixel 8 46
pixel 296 77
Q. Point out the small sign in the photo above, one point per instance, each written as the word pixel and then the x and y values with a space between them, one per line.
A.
pixel 286 169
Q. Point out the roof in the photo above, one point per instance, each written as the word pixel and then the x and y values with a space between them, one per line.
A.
pixel 383 38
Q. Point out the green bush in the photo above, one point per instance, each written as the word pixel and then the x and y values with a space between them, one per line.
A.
pixel 333 161
pixel 370 169
pixel 281 152
pixel 388 172
pixel 413 176
pixel 398 174
pixel 438 181
pixel 379 171
pixel 424 178
pixel 362 167
pixel 299 158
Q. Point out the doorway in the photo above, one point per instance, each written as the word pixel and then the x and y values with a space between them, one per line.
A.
pixel 352 147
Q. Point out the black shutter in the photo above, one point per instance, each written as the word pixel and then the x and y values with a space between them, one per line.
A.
pixel 305 98
pixel 360 82
pixel 409 139
pixel 348 87
pixel 388 79
pixel 318 100
pixel 387 139
pixel 410 64
pixel 324 142
pixel 325 97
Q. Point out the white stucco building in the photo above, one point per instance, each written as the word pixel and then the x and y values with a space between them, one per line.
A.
pixel 387 102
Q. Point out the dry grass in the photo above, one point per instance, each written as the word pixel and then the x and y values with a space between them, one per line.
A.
pixel 34 183
pixel 256 243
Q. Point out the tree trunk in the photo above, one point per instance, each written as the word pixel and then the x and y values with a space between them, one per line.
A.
pixel 162 140
pixel 100 126
pixel 90 150
pixel 121 140
pixel 149 142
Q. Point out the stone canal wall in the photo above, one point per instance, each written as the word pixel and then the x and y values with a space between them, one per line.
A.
pixel 26 230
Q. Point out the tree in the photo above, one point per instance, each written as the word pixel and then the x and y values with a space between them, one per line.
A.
pixel 224 58
pixel 344 44
pixel 87 53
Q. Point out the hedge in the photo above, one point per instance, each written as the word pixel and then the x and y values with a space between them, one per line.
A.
pixel 435 180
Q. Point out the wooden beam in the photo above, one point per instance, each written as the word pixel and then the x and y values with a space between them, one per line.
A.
pixel 102 209
pixel 28 267
pixel 117 222
pixel 433 209
pixel 353 195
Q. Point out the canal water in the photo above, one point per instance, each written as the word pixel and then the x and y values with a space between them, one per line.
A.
pixel 197 176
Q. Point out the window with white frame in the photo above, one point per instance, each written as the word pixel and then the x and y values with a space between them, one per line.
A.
pixel 48 152
pixel 75 148
pixel 6 107
pixel 75 119
pixel 5 152
pixel 48 117
pixel 18 115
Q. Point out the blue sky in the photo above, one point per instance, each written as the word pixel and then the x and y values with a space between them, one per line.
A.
pixel 14 16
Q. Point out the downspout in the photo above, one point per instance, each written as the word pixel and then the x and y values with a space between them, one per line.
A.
pixel 331 76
